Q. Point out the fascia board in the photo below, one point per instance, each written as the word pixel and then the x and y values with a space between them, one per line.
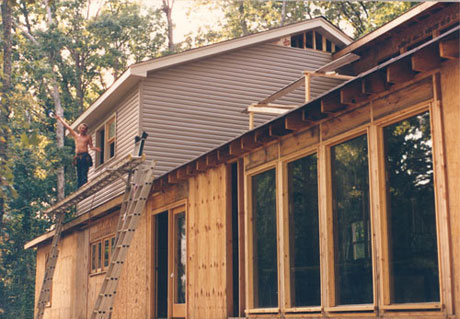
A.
pixel 385 28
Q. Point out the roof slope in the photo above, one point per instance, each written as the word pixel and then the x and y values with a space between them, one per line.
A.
pixel 139 71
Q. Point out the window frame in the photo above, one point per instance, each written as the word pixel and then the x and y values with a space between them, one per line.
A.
pixel 179 310
pixel 285 225
pixel 250 309
pixel 100 256
pixel 326 211
pixel 105 144
pixel 440 205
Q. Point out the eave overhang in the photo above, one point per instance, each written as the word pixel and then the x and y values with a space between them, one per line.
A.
pixel 136 72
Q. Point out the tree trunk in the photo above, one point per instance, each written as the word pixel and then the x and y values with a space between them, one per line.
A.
pixel 59 111
pixel 6 88
pixel 167 9
pixel 283 13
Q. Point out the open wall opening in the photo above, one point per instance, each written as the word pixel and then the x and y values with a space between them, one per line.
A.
pixel 161 265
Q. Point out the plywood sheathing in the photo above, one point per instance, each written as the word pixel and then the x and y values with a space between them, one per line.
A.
pixel 207 267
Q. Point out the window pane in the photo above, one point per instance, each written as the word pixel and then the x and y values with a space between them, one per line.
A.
pixel 352 245
pixel 99 255
pixel 93 257
pixel 264 240
pixel 106 252
pixel 111 130
pixel 411 211
pixel 303 232
pixel 180 258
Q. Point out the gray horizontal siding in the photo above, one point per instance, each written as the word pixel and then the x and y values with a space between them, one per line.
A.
pixel 190 108
pixel 127 126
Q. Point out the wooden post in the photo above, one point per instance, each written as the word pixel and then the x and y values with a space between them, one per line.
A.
pixel 307 87
pixel 251 120
pixel 314 40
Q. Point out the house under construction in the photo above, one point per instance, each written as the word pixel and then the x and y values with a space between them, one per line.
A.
pixel 292 173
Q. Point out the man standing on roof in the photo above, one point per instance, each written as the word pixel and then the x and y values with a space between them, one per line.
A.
pixel 82 159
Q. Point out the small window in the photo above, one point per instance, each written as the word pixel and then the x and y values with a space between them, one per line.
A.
pixel 351 222
pixel 101 252
pixel 106 141
pixel 413 253
pixel 309 40
pixel 264 240
pixel 319 41
pixel 297 41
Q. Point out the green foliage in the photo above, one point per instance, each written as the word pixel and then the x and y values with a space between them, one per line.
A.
pixel 243 17
pixel 83 52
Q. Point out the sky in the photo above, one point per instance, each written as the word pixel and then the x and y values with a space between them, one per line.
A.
pixel 187 20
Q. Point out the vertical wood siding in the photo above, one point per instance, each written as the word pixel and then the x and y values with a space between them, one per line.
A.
pixel 127 126
pixel 191 108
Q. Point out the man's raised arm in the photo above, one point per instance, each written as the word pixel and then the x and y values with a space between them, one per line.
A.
pixel 67 126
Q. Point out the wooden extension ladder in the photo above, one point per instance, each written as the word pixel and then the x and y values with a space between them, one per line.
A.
pixel 132 208
pixel 126 165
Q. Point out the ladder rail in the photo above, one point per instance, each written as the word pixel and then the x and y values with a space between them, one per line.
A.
pixel 135 204
pixel 125 165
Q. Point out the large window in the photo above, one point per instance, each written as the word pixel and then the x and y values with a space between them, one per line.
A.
pixel 352 248
pixel 413 254
pixel 355 224
pixel 304 268
pixel 264 239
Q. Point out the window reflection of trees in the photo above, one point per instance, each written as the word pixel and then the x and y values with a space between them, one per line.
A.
pixel 304 232
pixel 265 271
pixel 411 211
pixel 350 189
pixel 181 257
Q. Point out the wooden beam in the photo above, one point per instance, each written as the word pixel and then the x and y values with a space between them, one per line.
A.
pixel 182 173
pixel 223 154
pixel 248 142
pixel 426 59
pixel 172 177
pixel 191 169
pixel 201 164
pixel 277 129
pixel 352 93
pixel 280 93
pixel 235 148
pixel 251 120
pixel 313 113
pixel 449 49
pixel 331 75
pixel 384 29
pixel 294 121
pixel 400 71
pixel 331 103
pixel 335 64
pixel 307 87
pixel 266 110
pixel 261 135
pixel 211 159
pixel 374 83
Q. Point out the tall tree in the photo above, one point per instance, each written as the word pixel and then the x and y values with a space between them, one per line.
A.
pixel 167 9
pixel 5 108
